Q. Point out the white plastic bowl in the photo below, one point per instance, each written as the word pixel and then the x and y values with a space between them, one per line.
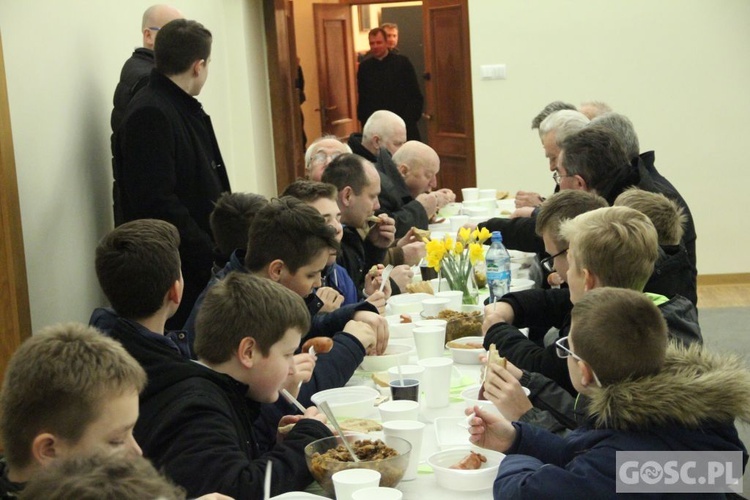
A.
pixel 407 303
pixel 520 284
pixel 397 329
pixel 353 402
pixel 466 356
pixel 465 480
pixel 394 355
pixel 451 432
pixel 470 396
pixel 523 258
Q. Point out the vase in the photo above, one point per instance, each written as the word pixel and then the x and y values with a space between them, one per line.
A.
pixel 464 282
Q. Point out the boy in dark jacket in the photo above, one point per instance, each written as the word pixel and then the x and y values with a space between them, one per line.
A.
pixel 196 420
pixel 646 394
pixel 614 246
pixel 68 392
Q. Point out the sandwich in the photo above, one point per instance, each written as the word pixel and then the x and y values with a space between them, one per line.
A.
pixel 494 358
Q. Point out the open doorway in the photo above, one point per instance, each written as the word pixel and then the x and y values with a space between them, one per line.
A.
pixel 445 74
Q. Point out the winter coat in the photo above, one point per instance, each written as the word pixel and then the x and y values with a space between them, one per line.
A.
pixel 690 405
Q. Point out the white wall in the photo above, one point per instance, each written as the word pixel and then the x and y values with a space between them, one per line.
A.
pixel 678 68
pixel 62 61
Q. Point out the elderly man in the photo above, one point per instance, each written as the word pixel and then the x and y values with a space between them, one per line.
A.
pixel 358 185
pixel 409 183
pixel 388 81
pixel 134 76
pixel 321 153
pixel 552 131
pixel 383 130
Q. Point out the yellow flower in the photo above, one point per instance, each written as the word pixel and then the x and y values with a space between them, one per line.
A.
pixel 464 234
pixel 448 242
pixel 483 235
pixel 476 253
pixel 458 249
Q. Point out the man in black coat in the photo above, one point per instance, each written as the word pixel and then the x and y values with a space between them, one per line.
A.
pixel 167 161
pixel 134 76
pixel 388 81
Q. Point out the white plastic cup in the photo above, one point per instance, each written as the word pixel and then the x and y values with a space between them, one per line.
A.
pixel 408 371
pixel 488 193
pixel 432 307
pixel 402 409
pixel 430 341
pixel 346 482
pixel 457 221
pixel 470 194
pixel 379 493
pixel 411 431
pixel 439 284
pixel 456 298
pixel 431 322
pixel 437 381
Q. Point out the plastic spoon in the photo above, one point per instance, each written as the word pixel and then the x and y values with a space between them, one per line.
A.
pixel 327 410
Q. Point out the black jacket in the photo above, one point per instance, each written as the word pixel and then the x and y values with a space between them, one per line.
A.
pixel 133 77
pixel 673 274
pixel 168 166
pixel 355 142
pixel 196 425
pixel 358 255
pixel 395 198
pixel 8 489
pixel 551 308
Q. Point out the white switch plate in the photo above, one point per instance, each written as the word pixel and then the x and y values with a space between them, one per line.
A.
pixel 492 71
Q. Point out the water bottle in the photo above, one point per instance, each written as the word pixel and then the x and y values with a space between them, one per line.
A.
pixel 497 262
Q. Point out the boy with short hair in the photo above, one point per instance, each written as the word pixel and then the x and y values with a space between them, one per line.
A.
pixel 614 246
pixel 657 397
pixel 230 220
pixel 673 273
pixel 197 418
pixel 68 392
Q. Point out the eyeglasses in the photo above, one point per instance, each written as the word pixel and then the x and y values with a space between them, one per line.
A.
pixel 154 28
pixel 563 351
pixel 321 157
pixel 557 177
pixel 549 262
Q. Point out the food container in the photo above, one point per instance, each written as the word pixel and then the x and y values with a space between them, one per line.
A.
pixel 322 468
pixel 397 329
pixel 451 432
pixel 464 354
pixel 348 402
pixel 464 323
pixel 394 355
pixel 406 303
pixel 465 480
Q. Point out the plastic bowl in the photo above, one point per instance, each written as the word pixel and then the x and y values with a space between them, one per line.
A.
pixel 406 303
pixel 470 396
pixel 394 355
pixel 520 284
pixel 352 402
pixel 466 356
pixel 391 469
pixel 465 480
pixel 397 329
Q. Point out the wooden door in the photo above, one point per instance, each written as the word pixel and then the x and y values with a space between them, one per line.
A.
pixel 15 317
pixel 448 102
pixel 336 74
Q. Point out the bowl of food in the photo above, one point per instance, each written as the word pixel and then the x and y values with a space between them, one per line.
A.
pixel 466 350
pixel 464 323
pixel 394 354
pixel 348 402
pixel 327 456
pixel 400 326
pixel 465 468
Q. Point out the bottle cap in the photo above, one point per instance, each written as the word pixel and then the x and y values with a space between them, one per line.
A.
pixel 497 236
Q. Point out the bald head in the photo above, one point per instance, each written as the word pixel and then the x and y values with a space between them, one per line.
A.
pixel 154 18
pixel 419 165
pixel 320 153
pixel 384 129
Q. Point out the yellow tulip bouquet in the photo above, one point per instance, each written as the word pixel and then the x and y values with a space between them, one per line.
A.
pixel 455 260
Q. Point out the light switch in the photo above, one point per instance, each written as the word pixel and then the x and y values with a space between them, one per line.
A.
pixel 492 71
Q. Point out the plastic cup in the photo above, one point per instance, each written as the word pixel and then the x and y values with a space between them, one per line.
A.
pixel 437 381
pixel 411 431
pixel 429 340
pixel 407 388
pixel 456 298
pixel 470 194
pixel 346 482
pixel 432 307
pixel 457 221
pixel 379 493
pixel 403 409
pixel 408 371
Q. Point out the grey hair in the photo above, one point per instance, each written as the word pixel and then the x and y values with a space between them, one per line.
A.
pixel 595 108
pixel 623 129
pixel 311 147
pixel 563 123
pixel 381 123
pixel 548 110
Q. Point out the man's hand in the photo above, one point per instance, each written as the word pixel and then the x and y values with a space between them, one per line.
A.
pixel 304 364
pixel 402 275
pixel 313 413
pixel 522 212
pixel 331 299
pixel 490 431
pixel 443 197
pixel 383 234
pixel 528 199
pixel 413 253
pixel 373 279
pixel 379 326
pixel 378 300
pixel 429 202
pixel 409 237
pixel 497 312
pixel 505 392
pixel 362 332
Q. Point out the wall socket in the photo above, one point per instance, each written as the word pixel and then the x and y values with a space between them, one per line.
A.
pixel 492 71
